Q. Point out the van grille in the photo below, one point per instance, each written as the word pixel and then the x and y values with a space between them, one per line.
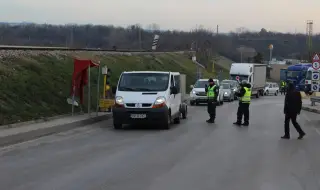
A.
pixel 201 94
pixel 138 105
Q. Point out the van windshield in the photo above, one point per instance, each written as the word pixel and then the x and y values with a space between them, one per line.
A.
pixel 144 82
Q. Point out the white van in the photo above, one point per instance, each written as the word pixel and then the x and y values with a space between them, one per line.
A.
pixel 148 97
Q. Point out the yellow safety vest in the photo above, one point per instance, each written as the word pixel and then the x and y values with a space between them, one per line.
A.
pixel 210 92
pixel 246 98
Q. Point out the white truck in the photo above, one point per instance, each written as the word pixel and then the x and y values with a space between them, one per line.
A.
pixel 253 73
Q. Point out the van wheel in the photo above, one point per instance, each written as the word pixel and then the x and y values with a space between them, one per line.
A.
pixel 192 103
pixel 168 123
pixel 176 120
pixel 257 95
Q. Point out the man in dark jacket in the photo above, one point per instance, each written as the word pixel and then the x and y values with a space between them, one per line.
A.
pixel 212 94
pixel 244 95
pixel 292 108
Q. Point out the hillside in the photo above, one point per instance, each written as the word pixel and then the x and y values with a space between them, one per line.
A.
pixel 36 84
pixel 134 37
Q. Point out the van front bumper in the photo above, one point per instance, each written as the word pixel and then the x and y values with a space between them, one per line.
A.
pixel 153 115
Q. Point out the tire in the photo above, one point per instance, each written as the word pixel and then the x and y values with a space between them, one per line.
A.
pixel 167 124
pixel 176 120
pixel 117 126
pixel 276 93
pixel 257 95
pixel 184 114
pixel 197 103
pixel 192 103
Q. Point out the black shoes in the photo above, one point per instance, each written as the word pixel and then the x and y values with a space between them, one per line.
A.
pixel 243 124
pixel 299 138
pixel 210 121
pixel 285 137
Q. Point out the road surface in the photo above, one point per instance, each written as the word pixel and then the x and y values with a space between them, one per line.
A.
pixel 191 156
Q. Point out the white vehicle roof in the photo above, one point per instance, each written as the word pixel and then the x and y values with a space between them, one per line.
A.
pixel 242 68
pixel 207 79
pixel 164 72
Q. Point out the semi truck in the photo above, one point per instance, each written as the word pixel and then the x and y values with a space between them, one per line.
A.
pixel 253 73
pixel 297 73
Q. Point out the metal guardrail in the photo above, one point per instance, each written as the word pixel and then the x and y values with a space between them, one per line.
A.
pixel 43 48
pixel 314 100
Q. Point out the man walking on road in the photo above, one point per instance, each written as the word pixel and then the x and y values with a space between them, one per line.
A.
pixel 244 102
pixel 292 108
pixel 212 93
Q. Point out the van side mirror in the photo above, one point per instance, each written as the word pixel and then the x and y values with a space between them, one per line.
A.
pixel 114 89
pixel 191 86
pixel 174 90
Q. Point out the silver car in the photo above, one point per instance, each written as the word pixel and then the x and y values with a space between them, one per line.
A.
pixel 234 85
pixel 227 91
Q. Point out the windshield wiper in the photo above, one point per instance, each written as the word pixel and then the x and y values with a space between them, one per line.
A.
pixel 142 89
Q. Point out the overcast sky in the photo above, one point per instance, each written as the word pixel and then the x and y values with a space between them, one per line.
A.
pixel 275 15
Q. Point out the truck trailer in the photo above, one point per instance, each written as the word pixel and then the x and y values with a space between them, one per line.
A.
pixel 253 73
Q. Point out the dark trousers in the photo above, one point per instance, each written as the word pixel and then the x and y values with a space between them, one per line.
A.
pixel 243 109
pixel 212 109
pixel 293 118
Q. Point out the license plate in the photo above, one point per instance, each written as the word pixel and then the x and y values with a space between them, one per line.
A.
pixel 138 116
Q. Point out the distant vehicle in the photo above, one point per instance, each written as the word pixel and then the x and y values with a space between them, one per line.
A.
pixel 148 97
pixel 234 85
pixel 271 88
pixel 198 93
pixel 227 91
pixel 254 74
pixel 297 75
pixel 283 74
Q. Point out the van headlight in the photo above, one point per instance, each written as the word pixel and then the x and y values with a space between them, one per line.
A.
pixel 119 100
pixel 225 93
pixel 160 102
pixel 193 92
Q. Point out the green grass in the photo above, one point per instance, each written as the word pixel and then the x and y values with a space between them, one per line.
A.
pixel 37 86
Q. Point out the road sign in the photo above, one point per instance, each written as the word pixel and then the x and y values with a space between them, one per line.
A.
pixel 315 86
pixel 237 78
pixel 315 75
pixel 315 62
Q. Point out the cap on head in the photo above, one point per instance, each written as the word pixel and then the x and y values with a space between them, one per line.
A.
pixel 244 82
pixel 210 80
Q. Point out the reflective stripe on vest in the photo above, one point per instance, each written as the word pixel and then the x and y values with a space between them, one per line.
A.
pixel 247 96
pixel 210 93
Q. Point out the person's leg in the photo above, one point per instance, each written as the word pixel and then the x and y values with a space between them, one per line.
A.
pixel 209 110
pixel 246 114
pixel 239 115
pixel 213 112
pixel 297 126
pixel 286 127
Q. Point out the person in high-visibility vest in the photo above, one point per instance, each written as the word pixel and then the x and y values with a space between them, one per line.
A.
pixel 283 87
pixel 212 93
pixel 244 102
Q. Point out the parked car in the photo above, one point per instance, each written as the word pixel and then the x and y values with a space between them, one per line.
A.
pixel 227 91
pixel 198 93
pixel 234 85
pixel 271 88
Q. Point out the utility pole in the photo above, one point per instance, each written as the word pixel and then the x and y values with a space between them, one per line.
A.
pixel 140 44
pixel 217 29
pixel 309 37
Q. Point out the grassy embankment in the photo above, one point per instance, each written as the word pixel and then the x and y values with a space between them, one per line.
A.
pixel 37 86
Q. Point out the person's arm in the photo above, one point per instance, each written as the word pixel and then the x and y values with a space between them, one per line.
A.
pixel 216 89
pixel 285 108
pixel 299 102
pixel 206 88
pixel 242 92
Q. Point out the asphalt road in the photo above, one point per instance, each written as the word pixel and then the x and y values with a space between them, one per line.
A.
pixel 193 155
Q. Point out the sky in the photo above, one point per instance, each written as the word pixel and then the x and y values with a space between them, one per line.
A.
pixel 274 15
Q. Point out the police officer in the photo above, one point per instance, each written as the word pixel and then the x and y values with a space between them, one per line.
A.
pixel 212 93
pixel 244 95
pixel 283 87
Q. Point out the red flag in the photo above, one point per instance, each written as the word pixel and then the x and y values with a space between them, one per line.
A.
pixel 80 77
